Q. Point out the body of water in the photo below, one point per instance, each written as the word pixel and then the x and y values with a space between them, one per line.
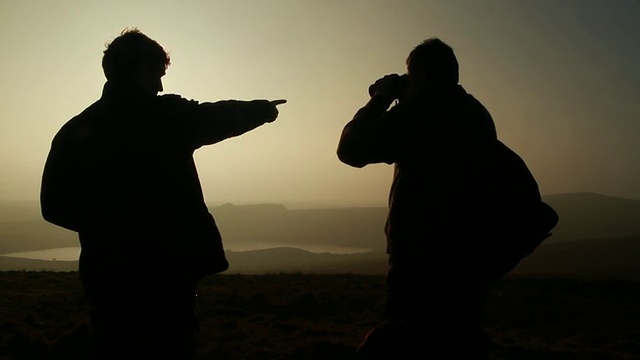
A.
pixel 58 254
pixel 72 253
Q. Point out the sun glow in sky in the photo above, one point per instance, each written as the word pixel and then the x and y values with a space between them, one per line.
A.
pixel 561 79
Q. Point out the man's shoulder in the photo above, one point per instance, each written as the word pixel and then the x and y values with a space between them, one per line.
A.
pixel 80 118
pixel 175 100
pixel 79 125
pixel 172 107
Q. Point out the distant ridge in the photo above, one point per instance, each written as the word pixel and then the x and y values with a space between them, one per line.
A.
pixel 586 215
pixel 276 260
pixel 596 233
pixel 603 258
pixel 248 207
pixel 614 258
pixel 294 260
pixel 351 227
pixel 18 264
pixel 588 198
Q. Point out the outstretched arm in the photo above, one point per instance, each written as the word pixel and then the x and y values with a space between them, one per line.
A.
pixel 224 119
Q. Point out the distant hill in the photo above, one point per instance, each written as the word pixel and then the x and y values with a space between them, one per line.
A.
pixel 596 233
pixel 603 258
pixel 277 260
pixel 354 227
pixel 23 229
pixel 587 215
pixel 293 260
pixel 18 264
pixel 615 258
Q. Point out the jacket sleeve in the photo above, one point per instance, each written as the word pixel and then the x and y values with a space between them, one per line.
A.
pixel 371 136
pixel 217 121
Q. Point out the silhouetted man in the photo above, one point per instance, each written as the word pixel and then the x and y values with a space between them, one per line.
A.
pixel 122 175
pixel 436 291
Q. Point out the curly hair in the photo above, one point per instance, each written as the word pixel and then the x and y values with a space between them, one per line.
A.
pixel 131 49
pixel 436 59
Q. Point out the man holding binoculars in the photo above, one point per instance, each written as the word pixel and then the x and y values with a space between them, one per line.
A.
pixel 435 296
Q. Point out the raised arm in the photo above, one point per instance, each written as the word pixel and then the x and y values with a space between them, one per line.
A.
pixel 372 136
pixel 366 139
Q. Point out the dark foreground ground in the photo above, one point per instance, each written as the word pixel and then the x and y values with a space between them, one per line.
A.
pixel 299 316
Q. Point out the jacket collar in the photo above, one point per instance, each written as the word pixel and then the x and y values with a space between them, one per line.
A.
pixel 124 92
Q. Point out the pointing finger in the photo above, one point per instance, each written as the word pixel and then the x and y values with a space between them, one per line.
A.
pixel 278 102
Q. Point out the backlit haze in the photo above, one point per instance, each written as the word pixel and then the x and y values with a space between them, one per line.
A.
pixel 561 79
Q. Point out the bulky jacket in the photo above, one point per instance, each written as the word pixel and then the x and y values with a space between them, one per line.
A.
pixel 122 174
pixel 435 197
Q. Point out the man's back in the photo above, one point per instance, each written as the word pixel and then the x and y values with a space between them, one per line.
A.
pixel 135 159
pixel 125 169
pixel 431 139
pixel 435 136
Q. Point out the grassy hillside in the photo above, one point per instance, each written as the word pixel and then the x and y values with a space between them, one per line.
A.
pixel 304 317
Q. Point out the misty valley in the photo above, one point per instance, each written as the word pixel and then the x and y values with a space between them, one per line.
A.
pixel 73 253
pixel 597 235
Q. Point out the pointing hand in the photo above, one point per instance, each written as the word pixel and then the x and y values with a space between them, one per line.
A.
pixel 272 111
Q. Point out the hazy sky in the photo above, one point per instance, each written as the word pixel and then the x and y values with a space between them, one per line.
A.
pixel 561 79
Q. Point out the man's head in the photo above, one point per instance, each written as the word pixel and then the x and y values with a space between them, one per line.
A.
pixel 432 63
pixel 133 59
